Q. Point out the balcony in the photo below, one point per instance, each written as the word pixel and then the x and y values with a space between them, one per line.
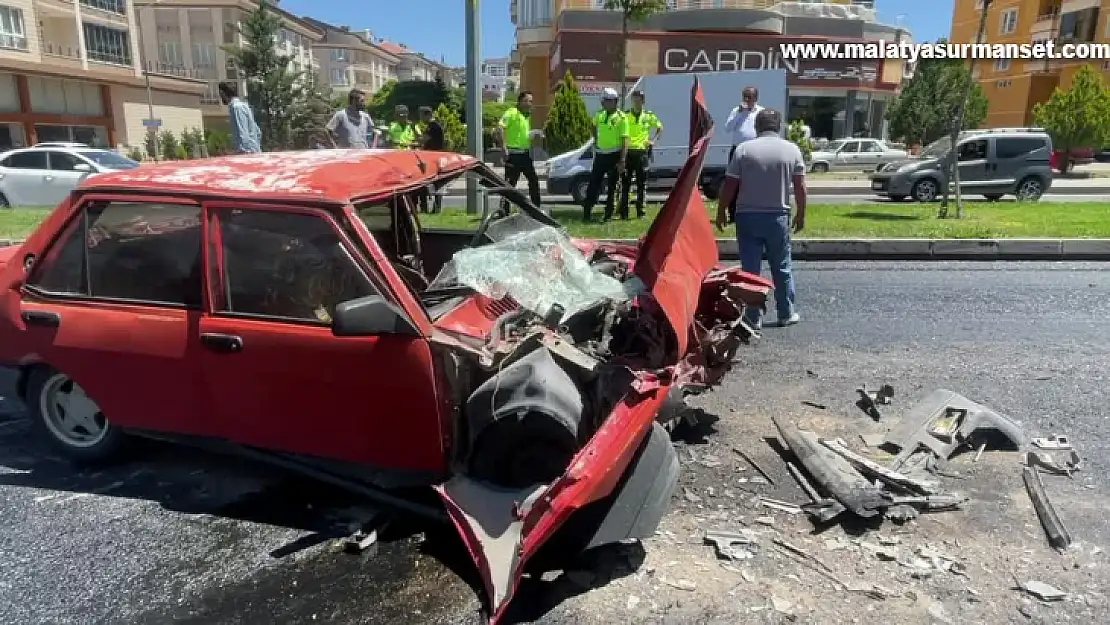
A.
pixel 108 12
pixel 58 42
pixel 176 70
pixel 1045 25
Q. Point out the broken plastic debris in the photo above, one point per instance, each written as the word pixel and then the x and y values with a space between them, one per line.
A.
pixel 538 268
pixel 1043 591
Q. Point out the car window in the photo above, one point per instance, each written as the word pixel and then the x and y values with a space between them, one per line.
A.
pixel 851 146
pixel 973 150
pixel 872 146
pixel 26 160
pixel 287 266
pixel 61 161
pixel 127 251
pixel 1017 146
pixel 107 158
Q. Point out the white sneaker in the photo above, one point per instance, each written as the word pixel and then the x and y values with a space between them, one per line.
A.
pixel 789 321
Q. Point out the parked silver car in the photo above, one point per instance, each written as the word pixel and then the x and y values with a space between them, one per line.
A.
pixel 44 175
pixel 854 155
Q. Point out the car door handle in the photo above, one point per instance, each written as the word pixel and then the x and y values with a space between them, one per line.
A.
pixel 225 343
pixel 41 318
pixel 48 178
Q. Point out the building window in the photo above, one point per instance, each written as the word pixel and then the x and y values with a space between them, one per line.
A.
pixel 1003 84
pixel 338 76
pixel 64 97
pixel 169 53
pixel 107 45
pixel 1001 65
pixel 339 54
pixel 112 6
pixel 12 35
pixel 92 136
pixel 1009 22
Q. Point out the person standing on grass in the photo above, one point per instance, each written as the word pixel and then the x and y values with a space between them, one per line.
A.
pixel 514 134
pixel 758 180
pixel 741 121
pixel 644 129
pixel 352 126
pixel 610 153
pixel 432 139
pixel 246 137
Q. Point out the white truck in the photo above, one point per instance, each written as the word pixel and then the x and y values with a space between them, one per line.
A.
pixel 668 96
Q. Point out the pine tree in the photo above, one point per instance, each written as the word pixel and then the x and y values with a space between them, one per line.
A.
pixel 568 123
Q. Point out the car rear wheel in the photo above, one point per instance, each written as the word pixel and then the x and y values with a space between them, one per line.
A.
pixel 578 189
pixel 1030 189
pixel 925 190
pixel 820 168
pixel 4 202
pixel 68 419
pixel 993 197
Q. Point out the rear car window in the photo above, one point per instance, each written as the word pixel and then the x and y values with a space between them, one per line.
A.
pixel 26 160
pixel 1014 147
pixel 131 251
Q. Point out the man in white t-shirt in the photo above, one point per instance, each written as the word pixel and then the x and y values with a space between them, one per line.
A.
pixel 343 129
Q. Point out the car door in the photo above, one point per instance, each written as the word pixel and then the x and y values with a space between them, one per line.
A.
pixel 22 179
pixel 280 379
pixel 66 171
pixel 847 157
pixel 870 154
pixel 972 158
pixel 111 302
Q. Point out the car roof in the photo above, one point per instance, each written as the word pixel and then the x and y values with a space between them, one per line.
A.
pixel 332 176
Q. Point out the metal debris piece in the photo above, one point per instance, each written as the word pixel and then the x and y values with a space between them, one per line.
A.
pixel 1047 462
pixel 901 514
pixel 1043 591
pixel 1054 442
pixel 869 402
pixel 873 440
pixel 782 506
pixel 360 541
pixel 755 465
pixel 835 475
pixel 823 510
pixel 810 491
pixel 1058 535
pixel 930 503
pixel 813 404
pixel 884 474
pixel 766 520
pixel 725 543
pixel 979 452
pixel 944 421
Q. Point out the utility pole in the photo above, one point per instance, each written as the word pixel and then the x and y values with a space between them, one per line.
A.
pixel 958 123
pixel 473 98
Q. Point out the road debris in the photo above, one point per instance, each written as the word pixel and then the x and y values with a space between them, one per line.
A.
pixel 755 465
pixel 979 452
pixel 1045 461
pixel 725 543
pixel 943 422
pixel 766 520
pixel 813 404
pixel 1058 535
pixel 781 506
pixel 681 584
pixel 1055 442
pixel 875 470
pixel 1042 591
pixel 360 541
pixel 873 440
pixel 803 482
pixel 869 402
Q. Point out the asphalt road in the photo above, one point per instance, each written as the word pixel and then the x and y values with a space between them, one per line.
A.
pixel 459 200
pixel 175 535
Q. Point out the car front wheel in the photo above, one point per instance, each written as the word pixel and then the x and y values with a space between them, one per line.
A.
pixel 1030 189
pixel 4 202
pixel 925 190
pixel 68 419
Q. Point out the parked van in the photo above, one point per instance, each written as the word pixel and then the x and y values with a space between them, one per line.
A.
pixel 993 162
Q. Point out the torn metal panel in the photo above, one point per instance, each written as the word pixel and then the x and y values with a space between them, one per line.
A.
pixel 943 421
pixel 884 474
pixel 725 543
pixel 1058 535
pixel 1047 462
pixel 488 520
pixel 833 473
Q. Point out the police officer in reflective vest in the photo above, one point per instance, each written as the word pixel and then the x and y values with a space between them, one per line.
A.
pixel 401 133
pixel 610 153
pixel 514 132
pixel 644 129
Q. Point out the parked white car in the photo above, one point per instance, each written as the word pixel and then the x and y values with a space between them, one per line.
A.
pixel 854 155
pixel 44 175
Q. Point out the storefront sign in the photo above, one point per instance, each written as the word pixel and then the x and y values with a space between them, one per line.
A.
pixel 595 58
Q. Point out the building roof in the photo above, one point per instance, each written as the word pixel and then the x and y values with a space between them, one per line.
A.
pixel 329 176
pixel 393 48
pixel 342 36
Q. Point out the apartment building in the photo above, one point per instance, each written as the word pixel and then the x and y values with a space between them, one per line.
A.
pixel 350 59
pixel 836 97
pixel 415 66
pixel 499 77
pixel 69 71
pixel 1014 87
pixel 186 38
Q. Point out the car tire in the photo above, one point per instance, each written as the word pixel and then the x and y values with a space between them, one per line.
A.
pixel 4 202
pixel 897 198
pixel 578 188
pixel 925 190
pixel 1030 189
pixel 993 197
pixel 82 434
pixel 820 168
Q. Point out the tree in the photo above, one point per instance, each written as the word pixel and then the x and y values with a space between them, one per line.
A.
pixel 568 124
pixel 283 99
pixel 632 12
pixel 797 134
pixel 1078 117
pixel 454 132
pixel 923 112
pixel 168 143
pixel 412 94
pixel 491 116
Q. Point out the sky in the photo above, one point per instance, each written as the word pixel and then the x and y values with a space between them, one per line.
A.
pixel 435 27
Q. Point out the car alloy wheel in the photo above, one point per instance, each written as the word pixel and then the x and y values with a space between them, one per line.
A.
pixel 1030 190
pixel 925 190
pixel 578 190
pixel 69 414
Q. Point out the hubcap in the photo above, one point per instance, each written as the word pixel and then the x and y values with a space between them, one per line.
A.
pixel 1030 189
pixel 69 413
pixel 925 191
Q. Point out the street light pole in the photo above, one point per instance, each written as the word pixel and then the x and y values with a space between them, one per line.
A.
pixel 958 124
pixel 146 79
pixel 473 97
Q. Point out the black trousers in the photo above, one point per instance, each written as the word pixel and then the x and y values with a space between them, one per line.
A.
pixel 635 168
pixel 604 170
pixel 520 164
pixel 424 194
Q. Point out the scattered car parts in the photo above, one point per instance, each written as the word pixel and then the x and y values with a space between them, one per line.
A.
pixel 1055 442
pixel 869 402
pixel 1058 535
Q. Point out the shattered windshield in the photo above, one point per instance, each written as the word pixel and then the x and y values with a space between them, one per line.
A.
pixel 534 264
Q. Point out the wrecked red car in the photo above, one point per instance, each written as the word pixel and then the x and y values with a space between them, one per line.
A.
pixel 290 306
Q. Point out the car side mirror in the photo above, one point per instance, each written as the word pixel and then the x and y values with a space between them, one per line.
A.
pixel 371 316
pixel 85 167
